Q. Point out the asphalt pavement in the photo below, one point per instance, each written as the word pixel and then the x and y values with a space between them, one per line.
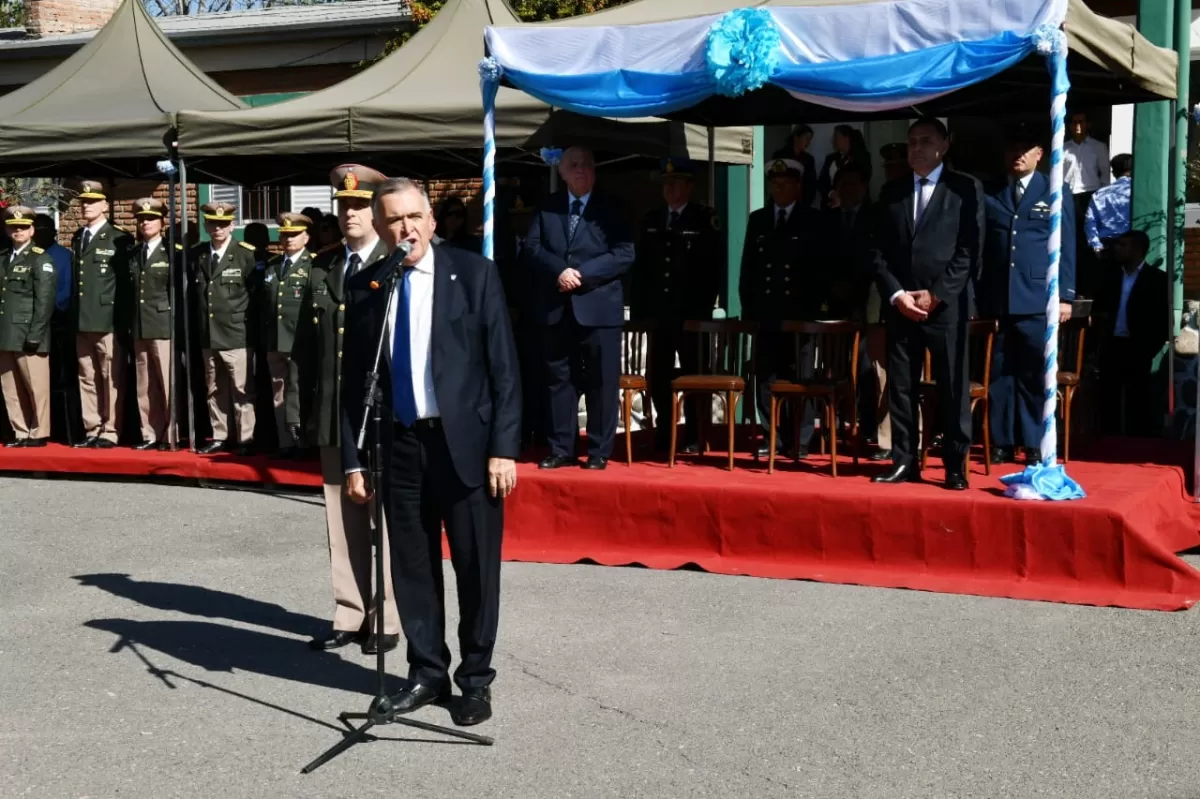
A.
pixel 153 644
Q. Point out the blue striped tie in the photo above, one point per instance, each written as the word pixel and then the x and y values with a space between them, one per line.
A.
pixel 576 213
pixel 404 402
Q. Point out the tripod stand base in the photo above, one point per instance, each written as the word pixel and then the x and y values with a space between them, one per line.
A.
pixel 379 714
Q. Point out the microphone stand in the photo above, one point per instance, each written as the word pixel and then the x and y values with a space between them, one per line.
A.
pixel 381 710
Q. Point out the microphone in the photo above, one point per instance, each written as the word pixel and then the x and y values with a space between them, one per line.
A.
pixel 394 266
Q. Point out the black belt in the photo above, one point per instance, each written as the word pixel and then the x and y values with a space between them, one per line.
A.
pixel 432 423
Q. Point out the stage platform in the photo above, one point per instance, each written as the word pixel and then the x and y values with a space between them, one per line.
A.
pixel 1118 547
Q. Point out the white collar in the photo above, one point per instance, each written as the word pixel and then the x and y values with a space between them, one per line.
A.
pixel 787 210
pixel 94 228
pixel 150 245
pixel 293 258
pixel 18 250
pixel 1025 180
pixel 426 263
pixel 678 210
pixel 584 199
pixel 933 177
pixel 221 252
pixel 363 253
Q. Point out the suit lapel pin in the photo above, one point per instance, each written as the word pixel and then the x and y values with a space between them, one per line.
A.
pixel 454 277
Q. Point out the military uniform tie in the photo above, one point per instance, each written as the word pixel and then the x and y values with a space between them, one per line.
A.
pixel 673 220
pixel 87 240
pixel 1018 193
pixel 781 219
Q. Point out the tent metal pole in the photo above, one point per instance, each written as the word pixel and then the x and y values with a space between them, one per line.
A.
pixel 712 167
pixel 187 341
pixel 172 401
pixel 1173 150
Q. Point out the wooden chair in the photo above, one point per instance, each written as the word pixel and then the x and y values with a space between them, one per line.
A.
pixel 635 344
pixel 834 381
pixel 724 346
pixel 981 337
pixel 1071 336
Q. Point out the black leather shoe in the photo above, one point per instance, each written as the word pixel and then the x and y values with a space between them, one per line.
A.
pixel 418 696
pixel 956 481
pixel 688 449
pixel 1002 455
pixel 87 443
pixel 595 463
pixel 1032 456
pixel 475 707
pixel 557 462
pixel 901 473
pixel 371 645
pixel 146 445
pixel 335 640
pixel 880 455
pixel 765 451
pixel 34 442
pixel 102 443
pixel 801 453
pixel 211 448
pixel 163 446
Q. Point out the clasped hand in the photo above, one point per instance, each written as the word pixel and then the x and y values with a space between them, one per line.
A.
pixel 570 279
pixel 916 305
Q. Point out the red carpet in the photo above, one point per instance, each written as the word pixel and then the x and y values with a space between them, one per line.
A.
pixel 1115 548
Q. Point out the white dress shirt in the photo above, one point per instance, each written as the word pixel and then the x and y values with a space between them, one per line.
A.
pixel 17 251
pixel 152 245
pixel 583 201
pixel 363 252
pixel 1085 165
pixel 94 228
pixel 921 197
pixel 219 254
pixel 1121 328
pixel 787 213
pixel 420 326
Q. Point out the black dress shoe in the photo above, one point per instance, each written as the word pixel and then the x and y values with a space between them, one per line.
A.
pixel 556 462
pixel 419 695
pixel 595 463
pixel 211 448
pixel 371 645
pixel 765 451
pixel 688 449
pixel 335 640
pixel 475 707
pixel 1032 456
pixel 87 443
pixel 1002 455
pixel 162 446
pixel 102 443
pixel 146 445
pixel 900 473
pixel 956 481
pixel 881 455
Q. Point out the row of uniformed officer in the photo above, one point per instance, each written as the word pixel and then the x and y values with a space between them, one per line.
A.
pixel 27 287
pixel 283 303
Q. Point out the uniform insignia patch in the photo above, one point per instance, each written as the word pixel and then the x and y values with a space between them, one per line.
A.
pixel 37 250
pixel 48 268
pixel 231 273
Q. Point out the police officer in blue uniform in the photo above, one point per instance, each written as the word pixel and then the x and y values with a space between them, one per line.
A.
pixel 1012 288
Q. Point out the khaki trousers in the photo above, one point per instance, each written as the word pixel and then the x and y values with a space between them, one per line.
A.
pixel 99 375
pixel 278 364
pixel 153 360
pixel 229 381
pixel 350 555
pixel 877 353
pixel 25 380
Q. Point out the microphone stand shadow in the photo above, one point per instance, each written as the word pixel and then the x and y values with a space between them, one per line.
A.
pixel 382 708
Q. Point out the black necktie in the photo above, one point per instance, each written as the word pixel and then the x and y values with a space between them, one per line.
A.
pixel 921 184
pixel 673 220
pixel 353 264
pixel 87 239
pixel 287 264
pixel 781 219
pixel 1018 193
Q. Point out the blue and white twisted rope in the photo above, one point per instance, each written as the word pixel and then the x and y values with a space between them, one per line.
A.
pixel 489 85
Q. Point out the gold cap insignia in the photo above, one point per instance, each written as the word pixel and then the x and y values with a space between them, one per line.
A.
pixel 350 183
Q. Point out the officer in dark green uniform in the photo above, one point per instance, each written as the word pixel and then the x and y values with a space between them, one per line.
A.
pixel 783 279
pixel 27 287
pixel 100 252
pixel 317 353
pixel 149 301
pixel 283 294
pixel 676 277
pixel 224 280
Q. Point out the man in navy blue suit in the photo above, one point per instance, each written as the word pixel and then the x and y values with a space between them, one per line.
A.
pixel 452 390
pixel 579 245
pixel 1012 288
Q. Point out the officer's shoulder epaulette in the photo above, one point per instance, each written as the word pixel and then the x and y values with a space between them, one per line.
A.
pixel 179 246
pixel 249 247
pixel 37 250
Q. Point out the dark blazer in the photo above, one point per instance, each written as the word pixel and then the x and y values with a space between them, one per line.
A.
pixel 1145 313
pixel 283 300
pixel 850 278
pixel 784 272
pixel 223 295
pixel 26 299
pixel 1013 277
pixel 98 271
pixel 677 273
pixel 602 251
pixel 476 378
pixel 149 291
pixel 938 255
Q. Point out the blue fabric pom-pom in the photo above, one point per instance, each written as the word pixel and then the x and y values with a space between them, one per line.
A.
pixel 551 156
pixel 1049 39
pixel 1042 482
pixel 742 50
pixel 490 70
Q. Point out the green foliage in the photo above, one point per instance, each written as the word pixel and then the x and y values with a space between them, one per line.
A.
pixel 12 13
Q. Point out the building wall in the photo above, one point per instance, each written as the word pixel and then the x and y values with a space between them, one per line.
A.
pixel 121 198
pixel 53 17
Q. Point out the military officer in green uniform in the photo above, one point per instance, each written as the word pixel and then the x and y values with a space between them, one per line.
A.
pixel 27 287
pixel 224 282
pixel 99 251
pixel 676 277
pixel 317 353
pixel 283 293
pixel 150 270
pixel 783 279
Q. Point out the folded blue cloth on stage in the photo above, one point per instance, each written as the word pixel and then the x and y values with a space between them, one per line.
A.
pixel 1042 482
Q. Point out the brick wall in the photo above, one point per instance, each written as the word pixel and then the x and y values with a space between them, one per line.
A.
pixel 54 17
pixel 121 198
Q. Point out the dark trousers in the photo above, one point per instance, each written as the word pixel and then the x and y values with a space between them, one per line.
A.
pixel 581 360
pixel 664 343
pixel 1125 377
pixel 868 392
pixel 533 396
pixel 1087 265
pixel 945 336
pixel 422 492
pixel 1015 394
pixel 777 360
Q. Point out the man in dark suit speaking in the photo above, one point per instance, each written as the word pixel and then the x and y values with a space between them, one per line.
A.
pixel 452 394
pixel 927 236
pixel 579 245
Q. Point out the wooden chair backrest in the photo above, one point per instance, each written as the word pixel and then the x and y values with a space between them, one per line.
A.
pixel 835 347
pixel 635 341
pixel 1071 336
pixel 723 346
pixel 981 339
